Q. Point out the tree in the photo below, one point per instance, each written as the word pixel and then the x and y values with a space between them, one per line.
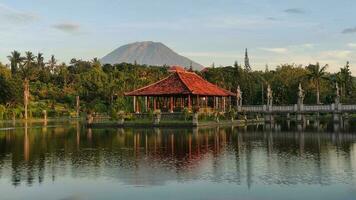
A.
pixel 40 60
pixel 52 64
pixel 95 62
pixel 27 71
pixel 344 79
pixel 316 74
pixel 15 60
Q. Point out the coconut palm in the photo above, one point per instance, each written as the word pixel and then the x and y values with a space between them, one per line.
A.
pixel 40 60
pixel 95 62
pixel 316 74
pixel 52 64
pixel 15 60
pixel 27 72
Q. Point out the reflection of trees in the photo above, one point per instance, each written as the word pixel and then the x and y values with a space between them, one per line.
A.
pixel 147 156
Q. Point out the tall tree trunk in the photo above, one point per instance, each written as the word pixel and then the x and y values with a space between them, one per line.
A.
pixel 78 106
pixel 317 93
pixel 26 95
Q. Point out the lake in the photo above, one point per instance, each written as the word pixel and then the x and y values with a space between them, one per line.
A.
pixel 64 161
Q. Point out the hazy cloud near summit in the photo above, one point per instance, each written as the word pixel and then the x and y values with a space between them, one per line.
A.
pixel 15 16
pixel 68 27
pixel 294 11
pixel 349 30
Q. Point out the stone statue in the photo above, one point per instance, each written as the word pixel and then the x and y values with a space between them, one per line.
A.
pixel 269 95
pixel 337 97
pixel 301 94
pixel 239 96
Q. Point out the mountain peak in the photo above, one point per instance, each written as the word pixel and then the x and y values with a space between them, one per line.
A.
pixel 149 53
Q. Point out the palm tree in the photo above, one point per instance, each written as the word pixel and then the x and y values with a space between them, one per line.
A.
pixel 96 62
pixel 316 74
pixel 345 80
pixel 15 59
pixel 40 60
pixel 28 73
pixel 52 64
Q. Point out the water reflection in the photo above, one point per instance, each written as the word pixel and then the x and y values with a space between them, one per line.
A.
pixel 258 155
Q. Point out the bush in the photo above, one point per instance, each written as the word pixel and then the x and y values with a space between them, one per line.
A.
pixel 2 111
pixel 186 113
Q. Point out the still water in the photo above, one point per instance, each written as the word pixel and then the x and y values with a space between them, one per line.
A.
pixel 67 161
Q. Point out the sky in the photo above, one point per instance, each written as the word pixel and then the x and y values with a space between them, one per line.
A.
pixel 206 31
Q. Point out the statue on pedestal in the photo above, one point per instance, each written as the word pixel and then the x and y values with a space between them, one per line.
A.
pixel 269 96
pixel 301 94
pixel 238 97
pixel 337 97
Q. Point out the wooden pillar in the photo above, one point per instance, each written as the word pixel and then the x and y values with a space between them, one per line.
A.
pixel 214 102
pixel 189 102
pixel 154 103
pixel 146 104
pixel 198 101
pixel 171 104
pixel 137 106
pixel 230 103
pixel 223 103
pixel 134 103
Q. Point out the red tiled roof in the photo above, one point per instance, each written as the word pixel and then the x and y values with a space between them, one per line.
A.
pixel 181 82
pixel 176 68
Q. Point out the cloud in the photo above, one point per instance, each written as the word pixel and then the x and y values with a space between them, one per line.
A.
pixel 272 18
pixel 275 50
pixel 349 30
pixel 213 54
pixel 294 11
pixel 308 45
pixel 336 54
pixel 16 16
pixel 352 45
pixel 67 27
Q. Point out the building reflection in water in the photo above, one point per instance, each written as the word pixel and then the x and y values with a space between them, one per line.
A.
pixel 245 156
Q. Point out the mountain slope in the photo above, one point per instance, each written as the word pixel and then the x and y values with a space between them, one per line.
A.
pixel 149 53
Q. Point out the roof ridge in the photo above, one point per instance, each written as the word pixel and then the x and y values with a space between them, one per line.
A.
pixel 207 82
pixel 128 93
pixel 184 83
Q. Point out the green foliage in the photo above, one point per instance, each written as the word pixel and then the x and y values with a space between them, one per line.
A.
pixel 2 111
pixel 54 86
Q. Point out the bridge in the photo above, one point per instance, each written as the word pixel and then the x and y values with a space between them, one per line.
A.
pixel 303 109
pixel 299 109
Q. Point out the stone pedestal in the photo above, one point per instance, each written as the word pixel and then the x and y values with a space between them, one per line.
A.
pixel 156 119
pixel 300 118
pixel 90 119
pixel 121 121
pixel 336 117
pixel 195 119
pixel 269 118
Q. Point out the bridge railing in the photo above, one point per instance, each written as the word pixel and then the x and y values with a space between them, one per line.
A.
pixel 253 108
pixel 288 108
pixel 296 108
pixel 348 107
pixel 317 108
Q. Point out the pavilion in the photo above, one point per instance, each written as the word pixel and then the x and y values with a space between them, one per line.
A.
pixel 182 89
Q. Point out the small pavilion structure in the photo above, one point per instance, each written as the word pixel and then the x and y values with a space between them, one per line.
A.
pixel 181 89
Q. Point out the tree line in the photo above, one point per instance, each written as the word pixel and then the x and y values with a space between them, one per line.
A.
pixel 29 81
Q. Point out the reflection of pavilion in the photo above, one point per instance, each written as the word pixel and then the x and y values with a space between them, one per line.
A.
pixel 158 156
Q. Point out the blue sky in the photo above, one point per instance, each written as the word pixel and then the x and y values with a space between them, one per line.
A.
pixel 207 31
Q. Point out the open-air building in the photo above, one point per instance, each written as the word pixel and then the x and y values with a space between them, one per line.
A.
pixel 181 89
